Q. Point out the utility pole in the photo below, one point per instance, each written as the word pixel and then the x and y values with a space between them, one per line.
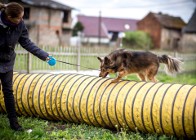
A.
pixel 99 29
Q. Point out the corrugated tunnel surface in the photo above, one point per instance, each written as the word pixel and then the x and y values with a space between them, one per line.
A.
pixel 148 107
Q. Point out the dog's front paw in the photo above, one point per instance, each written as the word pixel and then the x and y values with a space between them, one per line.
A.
pixel 115 81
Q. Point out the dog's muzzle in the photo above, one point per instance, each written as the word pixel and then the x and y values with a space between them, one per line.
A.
pixel 103 75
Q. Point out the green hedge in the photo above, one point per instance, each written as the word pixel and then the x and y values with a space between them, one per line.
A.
pixel 137 40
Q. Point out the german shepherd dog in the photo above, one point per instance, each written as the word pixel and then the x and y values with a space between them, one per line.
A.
pixel 145 64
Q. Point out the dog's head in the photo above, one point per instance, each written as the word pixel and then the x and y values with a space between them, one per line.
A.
pixel 106 66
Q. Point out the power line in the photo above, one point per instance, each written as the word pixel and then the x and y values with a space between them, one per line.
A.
pixel 172 4
pixel 160 4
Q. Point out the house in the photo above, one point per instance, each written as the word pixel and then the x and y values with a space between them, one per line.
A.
pixel 48 22
pixel 165 30
pixel 188 42
pixel 105 30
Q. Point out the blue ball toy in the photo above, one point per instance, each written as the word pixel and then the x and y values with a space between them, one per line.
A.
pixel 52 61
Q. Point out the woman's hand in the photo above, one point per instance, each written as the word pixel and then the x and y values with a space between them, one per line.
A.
pixel 51 60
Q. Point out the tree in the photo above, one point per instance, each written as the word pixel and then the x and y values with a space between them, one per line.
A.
pixel 77 28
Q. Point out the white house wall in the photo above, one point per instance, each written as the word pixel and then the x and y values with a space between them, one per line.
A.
pixel 95 40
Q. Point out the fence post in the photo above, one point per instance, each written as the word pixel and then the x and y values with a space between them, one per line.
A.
pixel 29 60
pixel 78 52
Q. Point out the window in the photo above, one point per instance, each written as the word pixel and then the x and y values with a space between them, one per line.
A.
pixel 26 13
pixel 66 16
pixel 114 36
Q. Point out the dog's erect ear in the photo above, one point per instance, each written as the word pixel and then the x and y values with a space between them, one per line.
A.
pixel 107 60
pixel 100 59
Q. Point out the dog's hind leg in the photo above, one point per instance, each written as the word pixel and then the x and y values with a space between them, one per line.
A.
pixel 151 74
pixel 142 76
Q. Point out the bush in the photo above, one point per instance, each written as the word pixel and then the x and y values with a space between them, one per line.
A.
pixel 137 40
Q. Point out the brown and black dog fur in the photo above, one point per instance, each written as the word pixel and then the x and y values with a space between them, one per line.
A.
pixel 145 64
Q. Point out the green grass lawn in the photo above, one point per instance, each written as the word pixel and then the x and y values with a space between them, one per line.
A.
pixel 49 130
pixel 162 77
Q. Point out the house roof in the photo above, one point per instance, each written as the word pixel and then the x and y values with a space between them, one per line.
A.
pixel 169 21
pixel 47 3
pixel 119 24
pixel 191 26
pixel 91 25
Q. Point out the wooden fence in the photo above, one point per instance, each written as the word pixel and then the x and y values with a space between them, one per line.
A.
pixel 79 59
pixel 84 58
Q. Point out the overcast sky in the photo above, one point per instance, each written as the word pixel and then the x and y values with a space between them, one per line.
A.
pixel 134 9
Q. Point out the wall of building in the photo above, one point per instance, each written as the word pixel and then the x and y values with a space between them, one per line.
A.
pixel 150 25
pixel 48 22
pixel 47 29
pixel 66 37
pixel 67 31
pixel 170 39
pixel 188 43
pixel 95 40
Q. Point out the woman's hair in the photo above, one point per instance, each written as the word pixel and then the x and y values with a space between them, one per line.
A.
pixel 12 9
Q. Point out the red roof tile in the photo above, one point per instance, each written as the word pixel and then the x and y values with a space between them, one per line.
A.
pixel 91 25
pixel 170 21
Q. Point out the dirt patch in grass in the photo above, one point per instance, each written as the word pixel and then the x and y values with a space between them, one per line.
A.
pixel 57 125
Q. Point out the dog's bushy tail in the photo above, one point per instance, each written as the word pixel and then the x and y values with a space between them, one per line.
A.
pixel 173 64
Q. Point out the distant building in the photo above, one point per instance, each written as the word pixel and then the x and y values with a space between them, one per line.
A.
pixel 165 30
pixel 105 30
pixel 188 42
pixel 49 22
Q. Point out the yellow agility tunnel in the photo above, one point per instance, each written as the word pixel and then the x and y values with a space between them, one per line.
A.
pixel 145 106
